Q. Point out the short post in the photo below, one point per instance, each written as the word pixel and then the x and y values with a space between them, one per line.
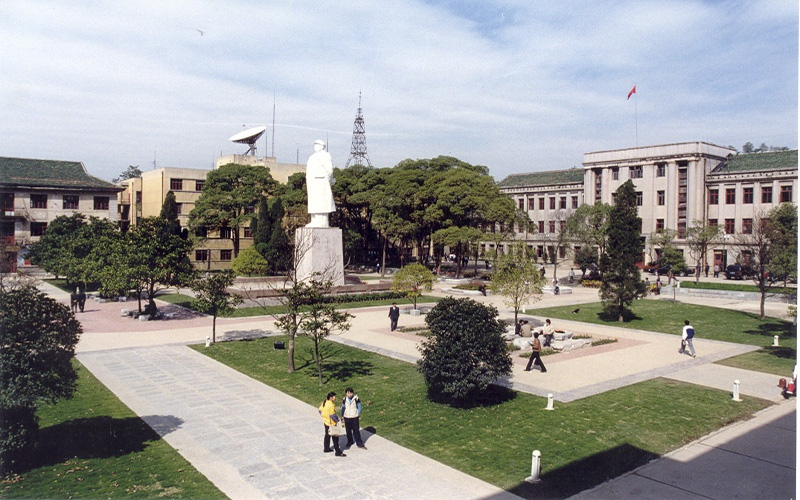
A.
pixel 549 402
pixel 736 390
pixel 775 340
pixel 536 467
pixel 208 341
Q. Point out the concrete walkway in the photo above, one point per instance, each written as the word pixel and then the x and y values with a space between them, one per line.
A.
pixel 255 442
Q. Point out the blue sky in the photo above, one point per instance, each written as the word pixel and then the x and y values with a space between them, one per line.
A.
pixel 515 85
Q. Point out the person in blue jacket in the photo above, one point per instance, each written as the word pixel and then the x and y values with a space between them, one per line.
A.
pixel 351 410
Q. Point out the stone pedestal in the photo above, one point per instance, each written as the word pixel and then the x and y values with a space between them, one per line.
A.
pixel 320 250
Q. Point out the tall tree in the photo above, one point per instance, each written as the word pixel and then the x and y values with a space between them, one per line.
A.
pixel 278 249
pixel 38 338
pixel 131 172
pixel 621 280
pixel 169 212
pixel 261 227
pixel 518 279
pixel 412 280
pixel 588 225
pixel 229 194
pixel 700 237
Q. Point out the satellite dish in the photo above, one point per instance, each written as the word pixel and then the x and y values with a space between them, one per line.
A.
pixel 249 137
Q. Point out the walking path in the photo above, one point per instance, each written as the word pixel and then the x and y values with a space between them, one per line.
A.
pixel 255 442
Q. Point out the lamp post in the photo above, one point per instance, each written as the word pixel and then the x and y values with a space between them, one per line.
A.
pixel 725 238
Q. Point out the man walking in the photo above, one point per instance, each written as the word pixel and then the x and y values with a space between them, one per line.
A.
pixel 394 315
pixel 686 339
pixel 535 358
pixel 351 410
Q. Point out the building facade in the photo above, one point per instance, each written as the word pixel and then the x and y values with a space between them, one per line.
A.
pixel 279 171
pixel 34 192
pixel 678 186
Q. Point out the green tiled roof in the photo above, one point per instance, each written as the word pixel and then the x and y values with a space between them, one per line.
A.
pixel 753 162
pixel 49 173
pixel 546 178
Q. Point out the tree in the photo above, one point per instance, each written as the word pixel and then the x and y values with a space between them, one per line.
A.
pixel 278 249
pixel 155 259
pixel 131 172
pixel 229 197
pixel 588 225
pixel 249 263
pixel 319 318
pixel 465 352
pixel 412 280
pixel 261 227
pixel 169 212
pixel 518 279
pixel 213 297
pixel 38 337
pixel 700 237
pixel 782 228
pixel 621 280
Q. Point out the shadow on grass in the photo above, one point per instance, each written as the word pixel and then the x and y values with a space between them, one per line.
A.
pixel 771 328
pixel 492 396
pixel 586 473
pixel 95 437
pixel 613 317
pixel 780 352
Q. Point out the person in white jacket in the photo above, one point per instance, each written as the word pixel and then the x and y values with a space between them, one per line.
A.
pixel 351 410
pixel 686 338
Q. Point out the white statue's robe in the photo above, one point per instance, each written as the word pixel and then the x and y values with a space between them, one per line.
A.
pixel 319 178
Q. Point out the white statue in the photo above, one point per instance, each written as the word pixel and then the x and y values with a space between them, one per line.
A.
pixel 319 179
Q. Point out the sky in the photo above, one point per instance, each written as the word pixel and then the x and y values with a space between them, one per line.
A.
pixel 518 85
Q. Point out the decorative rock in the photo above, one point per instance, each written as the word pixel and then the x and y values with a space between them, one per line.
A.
pixel 144 317
pixel 101 301
pixel 415 312
pixel 562 335
pixel 570 344
pixel 125 312
pixel 123 299
pixel 522 343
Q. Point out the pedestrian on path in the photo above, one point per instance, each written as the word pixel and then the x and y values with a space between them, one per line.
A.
pixel 73 301
pixel 535 358
pixel 351 411
pixel 686 339
pixel 394 315
pixel 81 299
pixel 329 419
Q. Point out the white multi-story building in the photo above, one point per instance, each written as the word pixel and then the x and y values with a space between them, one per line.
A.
pixel 677 185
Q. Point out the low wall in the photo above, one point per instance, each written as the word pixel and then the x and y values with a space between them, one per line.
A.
pixel 729 294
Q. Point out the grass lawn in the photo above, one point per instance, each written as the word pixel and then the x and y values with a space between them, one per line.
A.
pixel 244 312
pixel 583 443
pixel 709 323
pixel 93 446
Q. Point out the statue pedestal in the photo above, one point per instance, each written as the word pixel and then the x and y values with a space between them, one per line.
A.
pixel 320 250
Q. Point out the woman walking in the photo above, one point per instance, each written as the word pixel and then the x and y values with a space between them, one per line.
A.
pixel 329 418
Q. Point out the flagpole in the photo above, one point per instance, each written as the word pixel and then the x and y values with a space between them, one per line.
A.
pixel 636 116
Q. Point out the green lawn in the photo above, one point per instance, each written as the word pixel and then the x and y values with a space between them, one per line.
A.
pixel 734 287
pixel 93 446
pixel 709 323
pixel 245 312
pixel 582 443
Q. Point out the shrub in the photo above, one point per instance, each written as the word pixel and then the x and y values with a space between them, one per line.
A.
pixel 465 352
pixel 591 283
pixel 249 262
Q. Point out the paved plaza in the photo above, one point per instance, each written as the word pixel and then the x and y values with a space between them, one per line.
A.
pixel 253 441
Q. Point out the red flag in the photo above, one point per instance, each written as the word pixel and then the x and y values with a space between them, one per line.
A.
pixel 633 91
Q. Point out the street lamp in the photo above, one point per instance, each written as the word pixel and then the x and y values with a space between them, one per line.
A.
pixel 725 238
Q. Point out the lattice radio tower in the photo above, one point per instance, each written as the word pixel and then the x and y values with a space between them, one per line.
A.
pixel 358 150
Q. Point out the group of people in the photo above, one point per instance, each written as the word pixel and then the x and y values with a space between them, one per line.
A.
pixel 350 413
pixel 523 329
pixel 77 300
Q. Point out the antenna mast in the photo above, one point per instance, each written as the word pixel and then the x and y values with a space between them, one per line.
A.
pixel 358 150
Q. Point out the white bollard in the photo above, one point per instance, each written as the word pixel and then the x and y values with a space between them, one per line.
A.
pixel 536 467
pixel 549 402
pixel 208 341
pixel 775 340
pixel 736 390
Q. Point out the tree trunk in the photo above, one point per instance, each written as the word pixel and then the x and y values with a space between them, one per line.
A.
pixel 383 257
pixel 214 330
pixel 290 352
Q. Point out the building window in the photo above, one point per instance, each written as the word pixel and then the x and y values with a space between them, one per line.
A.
pixel 661 170
pixel 201 232
pixel 530 204
pixel 226 233
pixel 38 228
pixel 179 208
pixel 8 202
pixel 248 233
pixel 574 202
pixel 636 172
pixel 662 197
pixel 747 226
pixel 101 202
pixel 520 204
pixel 562 202
pixel 730 196
pixel 541 226
pixel 225 254
pixel 786 194
pixel 198 185
pixel 539 251
pixel 7 229
pixel 730 225
pixel 176 184
pixel 553 203
pixel 138 196
pixel 713 222
pixel 766 194
pixel 201 255
pixel 615 173
pixel 747 195
pixel 541 203
pixel 38 201
pixel 659 225
pixel 713 197
pixel 70 202
pixel 562 252
pixel 552 226
pixel 639 199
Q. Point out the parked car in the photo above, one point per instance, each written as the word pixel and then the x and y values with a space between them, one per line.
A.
pixel 738 272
